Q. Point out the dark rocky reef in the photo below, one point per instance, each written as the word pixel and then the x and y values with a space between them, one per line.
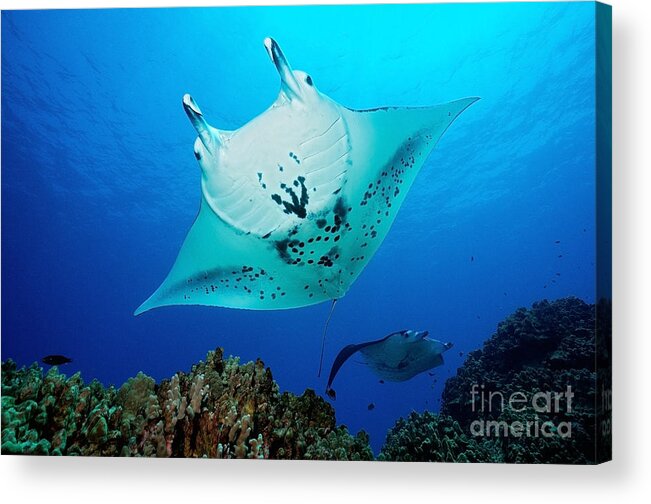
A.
pixel 604 380
pixel 221 409
pixel 528 365
pixel 428 437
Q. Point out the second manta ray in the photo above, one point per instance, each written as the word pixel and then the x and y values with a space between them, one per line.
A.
pixel 295 203
pixel 396 357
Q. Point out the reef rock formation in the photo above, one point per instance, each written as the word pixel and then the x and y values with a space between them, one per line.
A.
pixel 527 396
pixel 543 350
pixel 221 409
pixel 428 437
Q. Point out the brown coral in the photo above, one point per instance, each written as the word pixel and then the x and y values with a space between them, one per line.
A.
pixel 221 409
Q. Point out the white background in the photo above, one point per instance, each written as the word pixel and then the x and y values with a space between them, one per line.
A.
pixel 627 479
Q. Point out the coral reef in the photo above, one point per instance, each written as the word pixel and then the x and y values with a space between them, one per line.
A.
pixel 538 391
pixel 527 396
pixel 221 409
pixel 544 350
pixel 428 437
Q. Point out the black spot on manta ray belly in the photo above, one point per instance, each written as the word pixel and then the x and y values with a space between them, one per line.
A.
pixel 247 279
pixel 387 186
pixel 298 204
pixel 282 248
pixel 321 232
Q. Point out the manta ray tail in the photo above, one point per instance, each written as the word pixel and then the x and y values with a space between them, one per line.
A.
pixel 323 338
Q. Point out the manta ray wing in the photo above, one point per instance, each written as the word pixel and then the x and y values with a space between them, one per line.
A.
pixel 386 353
pixel 217 267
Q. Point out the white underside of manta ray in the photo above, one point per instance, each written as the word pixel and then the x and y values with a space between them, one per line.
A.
pixel 296 202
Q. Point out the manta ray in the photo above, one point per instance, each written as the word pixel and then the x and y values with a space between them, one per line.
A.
pixel 295 203
pixel 397 357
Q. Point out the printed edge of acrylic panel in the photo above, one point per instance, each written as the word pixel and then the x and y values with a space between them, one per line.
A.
pixel 603 329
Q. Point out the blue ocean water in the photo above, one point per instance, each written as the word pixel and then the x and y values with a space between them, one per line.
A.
pixel 100 185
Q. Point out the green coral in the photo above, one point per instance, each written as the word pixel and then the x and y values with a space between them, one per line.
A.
pixel 304 427
pixel 428 437
pixel 220 409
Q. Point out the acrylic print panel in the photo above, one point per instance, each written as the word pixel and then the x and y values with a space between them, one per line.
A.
pixel 307 232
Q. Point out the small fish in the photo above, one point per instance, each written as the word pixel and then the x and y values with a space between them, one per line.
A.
pixel 557 241
pixel 371 407
pixel 56 360
pixel 472 258
pixel 545 286
pixel 560 255
pixel 558 274
pixel 505 293
pixel 478 317
pixel 460 354
pixel 432 374
pixel 381 381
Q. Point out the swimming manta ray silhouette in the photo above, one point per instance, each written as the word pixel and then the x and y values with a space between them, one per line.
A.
pixel 397 357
